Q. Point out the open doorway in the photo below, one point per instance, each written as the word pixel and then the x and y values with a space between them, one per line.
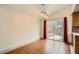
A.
pixel 55 29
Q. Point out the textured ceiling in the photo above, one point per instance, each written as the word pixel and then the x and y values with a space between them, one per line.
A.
pixel 35 9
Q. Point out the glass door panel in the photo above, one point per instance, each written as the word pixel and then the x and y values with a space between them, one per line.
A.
pixel 55 29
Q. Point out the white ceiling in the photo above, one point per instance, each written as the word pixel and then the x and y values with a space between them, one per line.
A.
pixel 35 9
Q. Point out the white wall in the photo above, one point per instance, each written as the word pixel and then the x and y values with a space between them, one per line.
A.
pixel 41 28
pixel 69 25
pixel 17 29
pixel 67 12
pixel 76 8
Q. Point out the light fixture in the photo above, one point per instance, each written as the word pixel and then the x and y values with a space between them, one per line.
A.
pixel 44 11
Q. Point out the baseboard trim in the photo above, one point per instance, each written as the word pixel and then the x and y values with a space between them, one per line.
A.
pixel 15 47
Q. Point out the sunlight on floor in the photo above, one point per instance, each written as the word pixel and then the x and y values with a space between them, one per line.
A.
pixel 56 37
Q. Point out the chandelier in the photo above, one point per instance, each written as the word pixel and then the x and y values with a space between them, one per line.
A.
pixel 44 11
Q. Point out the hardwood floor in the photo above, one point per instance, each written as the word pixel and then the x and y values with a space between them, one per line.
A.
pixel 43 47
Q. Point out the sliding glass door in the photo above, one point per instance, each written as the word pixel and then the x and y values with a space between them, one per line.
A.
pixel 55 29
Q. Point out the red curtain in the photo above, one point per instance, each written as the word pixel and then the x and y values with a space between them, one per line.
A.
pixel 65 30
pixel 45 36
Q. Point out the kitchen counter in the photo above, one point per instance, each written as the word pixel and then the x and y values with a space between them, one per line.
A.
pixel 75 33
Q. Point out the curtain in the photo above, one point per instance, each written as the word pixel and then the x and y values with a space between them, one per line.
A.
pixel 45 34
pixel 65 30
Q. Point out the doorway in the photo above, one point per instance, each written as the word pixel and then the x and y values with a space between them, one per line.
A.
pixel 55 29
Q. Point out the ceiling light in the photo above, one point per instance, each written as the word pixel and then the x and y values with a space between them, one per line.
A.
pixel 43 12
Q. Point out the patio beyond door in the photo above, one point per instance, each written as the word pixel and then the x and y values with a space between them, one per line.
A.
pixel 55 29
